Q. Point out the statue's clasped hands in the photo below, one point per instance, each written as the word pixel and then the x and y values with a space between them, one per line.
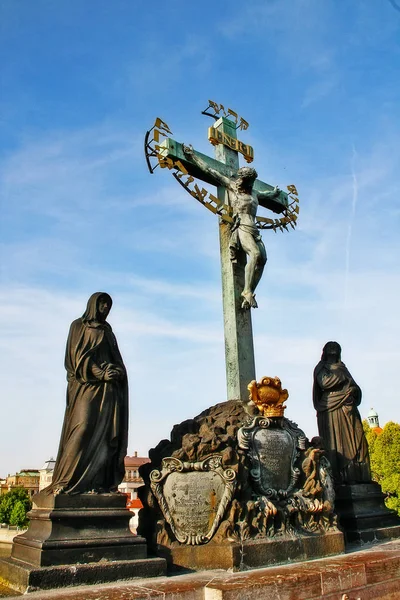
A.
pixel 112 373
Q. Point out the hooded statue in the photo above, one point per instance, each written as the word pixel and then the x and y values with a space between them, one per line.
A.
pixel 336 397
pixel 94 436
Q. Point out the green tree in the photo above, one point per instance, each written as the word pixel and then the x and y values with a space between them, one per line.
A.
pixel 8 501
pixel 384 450
pixel 18 515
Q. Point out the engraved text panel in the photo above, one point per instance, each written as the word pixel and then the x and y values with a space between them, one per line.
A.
pixel 275 449
pixel 193 499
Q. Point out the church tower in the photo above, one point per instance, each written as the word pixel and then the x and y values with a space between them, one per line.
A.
pixel 373 420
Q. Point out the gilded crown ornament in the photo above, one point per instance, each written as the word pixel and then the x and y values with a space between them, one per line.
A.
pixel 268 396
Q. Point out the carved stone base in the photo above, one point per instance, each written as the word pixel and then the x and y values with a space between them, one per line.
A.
pixel 363 515
pixel 253 553
pixel 26 578
pixel 77 539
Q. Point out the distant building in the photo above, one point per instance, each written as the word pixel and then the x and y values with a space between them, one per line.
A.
pixel 373 421
pixel 36 480
pixel 3 486
pixel 27 478
pixel 132 480
pixel 130 484
pixel 46 473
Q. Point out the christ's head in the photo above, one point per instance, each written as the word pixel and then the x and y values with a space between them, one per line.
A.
pixel 247 175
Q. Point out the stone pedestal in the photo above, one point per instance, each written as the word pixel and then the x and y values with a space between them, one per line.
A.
pixel 253 553
pixel 363 515
pixel 77 539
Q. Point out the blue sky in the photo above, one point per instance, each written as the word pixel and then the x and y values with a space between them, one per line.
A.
pixel 318 81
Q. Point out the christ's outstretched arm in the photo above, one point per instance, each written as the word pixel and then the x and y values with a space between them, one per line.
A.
pixel 199 162
pixel 269 195
pixel 270 200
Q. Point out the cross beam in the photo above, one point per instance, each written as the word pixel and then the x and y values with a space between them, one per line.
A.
pixel 172 149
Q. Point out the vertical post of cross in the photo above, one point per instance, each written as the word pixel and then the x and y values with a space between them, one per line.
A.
pixel 239 349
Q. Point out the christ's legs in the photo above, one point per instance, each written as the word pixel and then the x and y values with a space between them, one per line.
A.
pixel 260 264
pixel 256 259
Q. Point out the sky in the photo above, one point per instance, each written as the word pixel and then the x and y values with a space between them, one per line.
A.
pixel 81 82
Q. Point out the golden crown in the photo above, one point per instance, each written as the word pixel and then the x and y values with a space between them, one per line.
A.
pixel 268 396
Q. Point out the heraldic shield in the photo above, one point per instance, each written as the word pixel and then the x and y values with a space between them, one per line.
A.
pixel 193 496
pixel 273 446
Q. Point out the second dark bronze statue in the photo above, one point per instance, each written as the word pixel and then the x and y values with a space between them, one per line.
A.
pixel 336 397
pixel 94 437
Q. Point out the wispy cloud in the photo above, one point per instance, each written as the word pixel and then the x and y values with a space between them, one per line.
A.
pixel 318 90
pixel 350 224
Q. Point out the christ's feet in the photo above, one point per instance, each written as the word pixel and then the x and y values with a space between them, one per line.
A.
pixel 249 300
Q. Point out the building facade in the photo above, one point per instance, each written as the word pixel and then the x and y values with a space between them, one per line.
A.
pixel 132 480
pixel 27 479
pixel 36 480
pixel 130 484
pixel 46 474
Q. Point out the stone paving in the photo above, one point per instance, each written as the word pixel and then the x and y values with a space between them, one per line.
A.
pixel 369 574
pixel 5 550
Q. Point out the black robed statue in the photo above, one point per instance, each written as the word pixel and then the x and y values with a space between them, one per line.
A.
pixel 336 397
pixel 94 437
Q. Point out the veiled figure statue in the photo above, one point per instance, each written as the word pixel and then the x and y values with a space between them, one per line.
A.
pixel 336 397
pixel 94 437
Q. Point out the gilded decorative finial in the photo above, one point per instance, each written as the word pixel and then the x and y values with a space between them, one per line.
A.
pixel 268 396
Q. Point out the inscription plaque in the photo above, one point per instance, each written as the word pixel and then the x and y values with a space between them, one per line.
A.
pixel 194 496
pixel 273 445
pixel 274 449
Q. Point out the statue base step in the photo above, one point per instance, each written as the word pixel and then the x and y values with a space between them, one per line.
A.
pixel 363 515
pixel 25 578
pixel 252 553
pixel 78 539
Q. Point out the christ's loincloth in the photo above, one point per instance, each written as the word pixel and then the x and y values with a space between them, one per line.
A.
pixel 234 241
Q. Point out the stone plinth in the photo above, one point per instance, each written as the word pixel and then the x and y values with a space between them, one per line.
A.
pixel 252 553
pixel 363 515
pixel 77 539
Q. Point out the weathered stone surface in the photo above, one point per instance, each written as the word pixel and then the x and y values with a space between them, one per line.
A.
pixel 27 578
pixel 194 499
pixel 279 487
pixel 275 449
pixel 193 496
pixel 77 539
pixel 273 446
pixel 370 574
pixel 362 513
pixel 83 528
pixel 213 432
pixel 253 553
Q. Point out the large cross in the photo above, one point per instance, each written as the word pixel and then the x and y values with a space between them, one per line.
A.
pixel 239 349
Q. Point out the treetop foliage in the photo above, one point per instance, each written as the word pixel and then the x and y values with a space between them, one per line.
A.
pixel 384 451
pixel 17 497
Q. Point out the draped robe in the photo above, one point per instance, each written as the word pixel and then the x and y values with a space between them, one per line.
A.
pixel 94 437
pixel 336 397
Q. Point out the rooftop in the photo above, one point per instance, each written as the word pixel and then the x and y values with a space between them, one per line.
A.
pixel 135 461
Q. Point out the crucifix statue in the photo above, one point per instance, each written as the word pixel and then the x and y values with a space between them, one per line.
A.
pixel 239 194
pixel 244 233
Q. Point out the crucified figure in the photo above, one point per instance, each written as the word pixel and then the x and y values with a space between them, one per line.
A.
pixel 244 233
